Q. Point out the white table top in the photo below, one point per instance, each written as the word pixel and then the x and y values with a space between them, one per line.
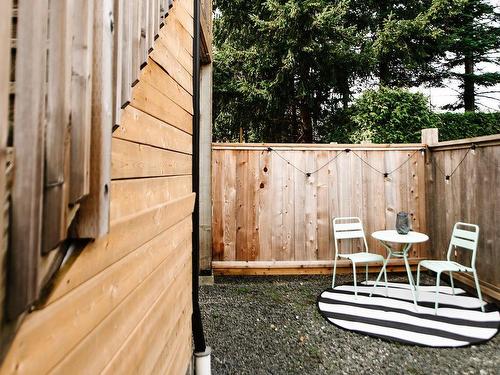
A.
pixel 393 236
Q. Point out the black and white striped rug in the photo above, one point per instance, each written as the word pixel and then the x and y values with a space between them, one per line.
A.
pixel 459 321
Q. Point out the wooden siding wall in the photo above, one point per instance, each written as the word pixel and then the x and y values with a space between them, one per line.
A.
pixel 123 303
pixel 472 196
pixel 265 210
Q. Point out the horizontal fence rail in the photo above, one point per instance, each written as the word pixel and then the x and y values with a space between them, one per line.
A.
pixel 275 203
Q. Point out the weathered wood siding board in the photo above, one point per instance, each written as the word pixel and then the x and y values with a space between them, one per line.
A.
pixel 276 213
pixel 133 284
pixel 29 134
pixel 471 196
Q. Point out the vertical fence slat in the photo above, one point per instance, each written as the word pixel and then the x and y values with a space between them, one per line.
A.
pixel 58 125
pixel 117 60
pixel 136 40
pixel 260 197
pixel 81 96
pixel 29 120
pixel 126 62
pixel 144 43
pixel 151 25
pixel 93 219
pixel 5 36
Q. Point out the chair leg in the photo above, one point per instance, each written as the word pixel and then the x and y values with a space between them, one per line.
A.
pixel 355 284
pixel 380 274
pixel 366 270
pixel 417 290
pixel 334 271
pixel 452 284
pixel 386 287
pixel 476 280
pixel 437 294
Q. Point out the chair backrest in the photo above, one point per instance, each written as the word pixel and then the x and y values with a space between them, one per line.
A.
pixel 348 228
pixel 464 236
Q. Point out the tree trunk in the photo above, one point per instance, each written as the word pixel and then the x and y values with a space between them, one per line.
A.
pixel 469 95
pixel 306 124
pixel 383 72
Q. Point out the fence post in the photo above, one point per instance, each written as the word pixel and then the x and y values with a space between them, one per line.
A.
pixel 430 136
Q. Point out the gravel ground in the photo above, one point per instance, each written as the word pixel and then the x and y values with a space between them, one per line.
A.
pixel 270 325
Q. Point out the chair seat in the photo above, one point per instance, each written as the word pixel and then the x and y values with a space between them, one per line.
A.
pixel 444 266
pixel 363 257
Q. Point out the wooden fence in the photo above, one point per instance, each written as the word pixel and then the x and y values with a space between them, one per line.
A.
pixel 472 194
pixel 270 214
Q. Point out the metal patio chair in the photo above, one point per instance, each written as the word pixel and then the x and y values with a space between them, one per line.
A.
pixel 352 228
pixel 465 238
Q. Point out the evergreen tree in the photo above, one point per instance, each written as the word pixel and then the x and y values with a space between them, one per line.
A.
pixel 472 37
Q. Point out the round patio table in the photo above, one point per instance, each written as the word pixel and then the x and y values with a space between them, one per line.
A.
pixel 388 237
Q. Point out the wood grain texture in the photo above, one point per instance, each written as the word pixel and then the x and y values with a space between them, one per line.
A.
pixel 5 37
pixel 81 99
pixel 57 130
pixel 135 195
pixel 101 296
pixel 121 240
pixel 468 197
pixel 155 76
pixel 132 160
pixel 29 134
pixel 152 101
pixel 293 213
pixel 93 218
pixel 140 127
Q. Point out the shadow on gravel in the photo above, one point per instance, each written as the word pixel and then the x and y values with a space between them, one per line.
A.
pixel 270 325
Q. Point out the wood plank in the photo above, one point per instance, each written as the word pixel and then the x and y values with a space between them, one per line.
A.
pixel 159 326
pixel 81 99
pixel 178 351
pixel 29 118
pixel 136 40
pixel 148 99
pixel 126 62
pixel 323 229
pixel 155 76
pixel 144 44
pixel 317 147
pixel 98 298
pixel 135 195
pixel 265 201
pixel 172 273
pixel 122 239
pixel 118 12
pixel 184 18
pixel 174 27
pixel 229 214
pixel 168 61
pixel 217 247
pixel 139 127
pixel 57 130
pixel 173 43
pixel 205 168
pixel 93 218
pixel 276 176
pixel 252 190
pixel 151 26
pixel 133 160
pixel 242 204
pixel 288 208
pixel 5 36
pixel 299 210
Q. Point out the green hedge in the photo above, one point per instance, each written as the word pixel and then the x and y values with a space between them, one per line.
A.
pixel 466 125
pixel 396 115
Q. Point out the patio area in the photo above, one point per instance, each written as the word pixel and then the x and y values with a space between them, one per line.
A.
pixel 271 325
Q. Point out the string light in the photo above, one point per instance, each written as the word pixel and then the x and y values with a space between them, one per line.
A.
pixel 473 149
